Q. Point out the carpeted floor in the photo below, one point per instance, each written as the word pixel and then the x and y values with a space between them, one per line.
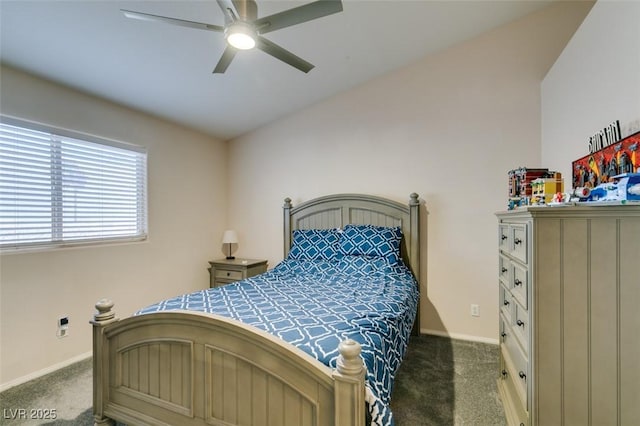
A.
pixel 441 382
pixel 447 382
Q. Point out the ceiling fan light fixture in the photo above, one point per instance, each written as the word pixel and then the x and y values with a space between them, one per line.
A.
pixel 241 36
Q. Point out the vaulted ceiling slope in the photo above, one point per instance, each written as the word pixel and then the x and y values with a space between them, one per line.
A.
pixel 166 70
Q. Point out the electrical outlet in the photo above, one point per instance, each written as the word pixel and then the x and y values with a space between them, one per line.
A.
pixel 475 310
pixel 63 327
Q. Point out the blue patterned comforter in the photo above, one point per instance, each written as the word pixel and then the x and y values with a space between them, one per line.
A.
pixel 315 305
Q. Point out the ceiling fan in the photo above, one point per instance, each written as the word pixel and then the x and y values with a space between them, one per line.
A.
pixel 243 29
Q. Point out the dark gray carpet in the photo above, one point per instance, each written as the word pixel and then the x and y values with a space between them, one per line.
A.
pixel 68 391
pixel 441 382
pixel 445 381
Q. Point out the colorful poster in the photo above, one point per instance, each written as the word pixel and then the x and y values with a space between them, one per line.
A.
pixel 600 166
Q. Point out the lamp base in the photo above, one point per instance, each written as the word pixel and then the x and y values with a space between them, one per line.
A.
pixel 230 257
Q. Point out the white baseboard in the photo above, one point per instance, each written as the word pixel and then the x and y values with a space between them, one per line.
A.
pixel 460 336
pixel 44 371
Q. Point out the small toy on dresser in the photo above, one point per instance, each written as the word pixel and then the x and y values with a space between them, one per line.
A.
pixel 523 191
pixel 559 197
pixel 548 189
pixel 565 198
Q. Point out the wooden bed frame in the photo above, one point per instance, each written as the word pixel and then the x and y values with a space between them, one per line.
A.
pixel 191 368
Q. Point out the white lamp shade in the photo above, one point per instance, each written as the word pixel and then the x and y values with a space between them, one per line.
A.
pixel 230 237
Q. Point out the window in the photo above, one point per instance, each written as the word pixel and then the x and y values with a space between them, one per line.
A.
pixel 59 188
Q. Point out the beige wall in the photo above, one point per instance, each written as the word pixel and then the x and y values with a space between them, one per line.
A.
pixel 448 127
pixel 594 82
pixel 187 191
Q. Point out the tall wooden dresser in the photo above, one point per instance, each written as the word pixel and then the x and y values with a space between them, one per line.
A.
pixel 569 282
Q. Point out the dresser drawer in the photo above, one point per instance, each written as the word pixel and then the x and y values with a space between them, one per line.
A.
pixel 521 326
pixel 508 338
pixel 516 370
pixel 228 274
pixel 516 412
pixel 518 241
pixel 505 302
pixel 506 331
pixel 520 284
pixel 504 242
pixel 503 268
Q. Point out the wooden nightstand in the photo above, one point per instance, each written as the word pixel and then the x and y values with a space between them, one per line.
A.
pixel 225 271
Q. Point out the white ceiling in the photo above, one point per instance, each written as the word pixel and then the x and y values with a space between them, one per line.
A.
pixel 166 70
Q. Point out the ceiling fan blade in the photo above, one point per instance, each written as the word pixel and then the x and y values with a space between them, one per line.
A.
pixel 229 11
pixel 297 15
pixel 157 18
pixel 282 54
pixel 227 56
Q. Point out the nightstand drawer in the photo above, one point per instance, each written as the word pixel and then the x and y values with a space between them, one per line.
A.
pixel 226 274
pixel 225 271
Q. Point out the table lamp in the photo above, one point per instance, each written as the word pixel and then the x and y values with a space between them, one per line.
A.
pixel 230 237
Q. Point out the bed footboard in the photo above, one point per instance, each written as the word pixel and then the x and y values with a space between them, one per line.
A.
pixel 190 368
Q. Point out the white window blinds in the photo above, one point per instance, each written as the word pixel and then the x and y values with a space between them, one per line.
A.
pixel 57 190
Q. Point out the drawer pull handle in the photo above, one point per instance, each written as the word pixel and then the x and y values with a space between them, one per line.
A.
pixel 517 282
pixel 517 241
pixel 504 269
pixel 503 237
pixel 520 323
pixel 228 274
pixel 505 303
pixel 504 373
pixel 522 376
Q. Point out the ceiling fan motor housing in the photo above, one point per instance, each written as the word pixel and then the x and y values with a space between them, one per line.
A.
pixel 247 9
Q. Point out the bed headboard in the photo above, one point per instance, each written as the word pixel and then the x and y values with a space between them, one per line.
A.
pixel 336 211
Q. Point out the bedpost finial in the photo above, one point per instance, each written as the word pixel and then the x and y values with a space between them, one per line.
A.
pixel 414 198
pixel 287 202
pixel 104 310
pixel 349 362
